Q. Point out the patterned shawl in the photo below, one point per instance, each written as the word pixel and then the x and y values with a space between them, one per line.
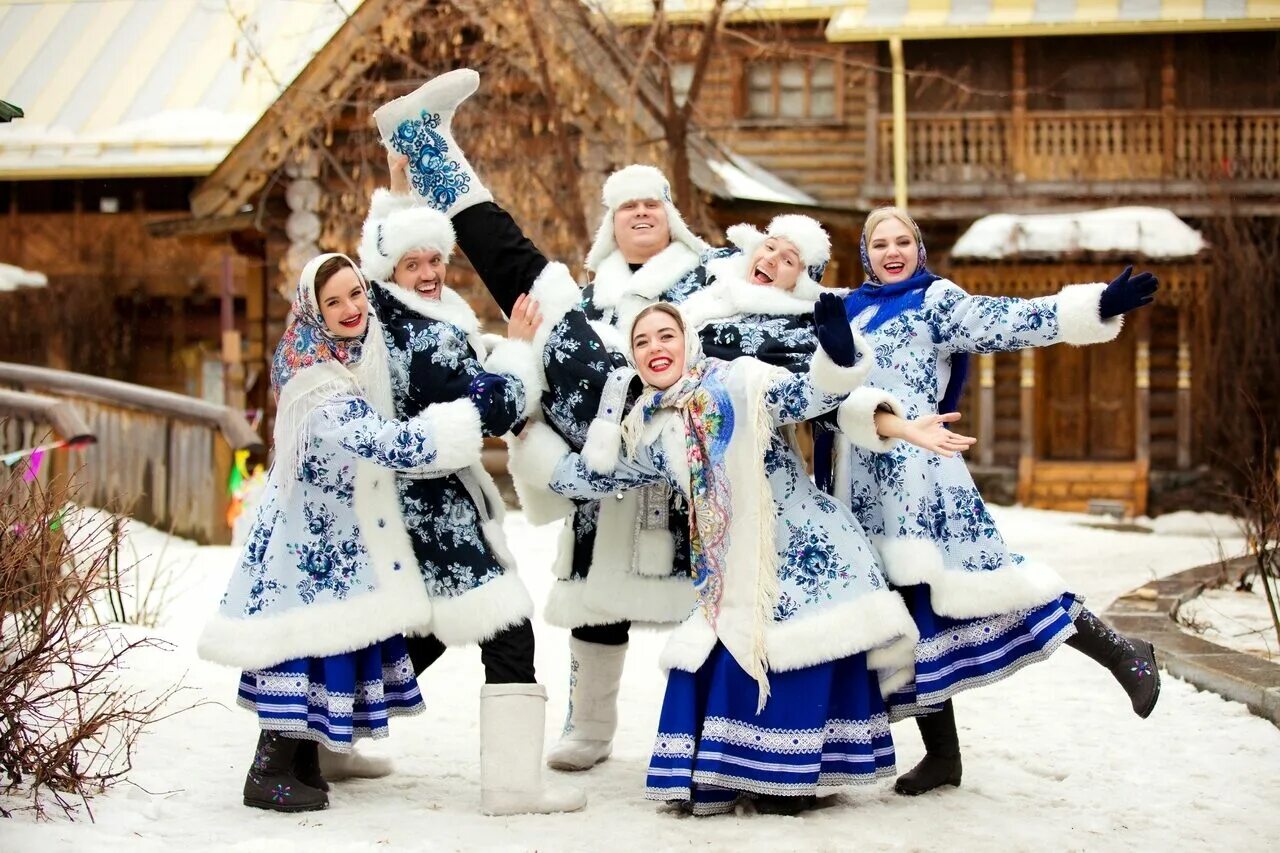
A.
pixel 726 430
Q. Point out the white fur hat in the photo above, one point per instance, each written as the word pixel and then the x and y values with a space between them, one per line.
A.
pixel 803 232
pixel 397 225
pixel 632 183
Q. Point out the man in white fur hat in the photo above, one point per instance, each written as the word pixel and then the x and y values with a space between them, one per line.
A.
pixel 626 558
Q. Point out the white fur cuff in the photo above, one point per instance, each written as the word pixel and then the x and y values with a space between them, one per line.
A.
pixel 856 418
pixel 516 358
pixel 603 446
pixel 1078 317
pixel 454 427
pixel 830 378
pixel 535 454
pixel 556 293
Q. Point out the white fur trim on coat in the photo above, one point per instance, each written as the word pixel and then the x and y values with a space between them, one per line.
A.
pixel 1078 317
pixel 877 623
pixel 967 595
pixel 614 281
pixel 654 601
pixel 830 378
pixel 398 605
pixel 856 418
pixel 557 294
pixel 729 294
pixel 512 357
pixel 603 446
pixel 450 308
pixel 530 474
pixel 393 229
pixel 456 428
pixel 481 613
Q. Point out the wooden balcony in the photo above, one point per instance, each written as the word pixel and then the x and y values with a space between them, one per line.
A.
pixel 1150 154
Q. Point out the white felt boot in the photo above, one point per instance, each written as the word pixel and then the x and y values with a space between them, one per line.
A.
pixel 595 671
pixel 336 766
pixel 512 717
pixel 418 126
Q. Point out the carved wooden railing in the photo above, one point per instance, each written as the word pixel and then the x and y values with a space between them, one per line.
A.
pixel 1068 146
pixel 164 458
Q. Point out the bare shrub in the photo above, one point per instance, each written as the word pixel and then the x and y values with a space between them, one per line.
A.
pixel 68 721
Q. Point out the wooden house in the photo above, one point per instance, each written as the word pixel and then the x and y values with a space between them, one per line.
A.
pixel 961 109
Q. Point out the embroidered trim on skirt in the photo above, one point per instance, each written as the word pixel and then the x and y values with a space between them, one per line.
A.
pixel 958 654
pixel 824 726
pixel 335 700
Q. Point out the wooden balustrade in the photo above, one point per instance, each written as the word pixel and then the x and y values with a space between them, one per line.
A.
pixel 1071 146
pixel 161 457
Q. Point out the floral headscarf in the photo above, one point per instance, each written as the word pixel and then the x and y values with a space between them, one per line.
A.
pixel 307 341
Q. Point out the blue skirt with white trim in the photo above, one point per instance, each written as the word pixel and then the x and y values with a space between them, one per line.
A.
pixel 958 654
pixel 824 726
pixel 335 700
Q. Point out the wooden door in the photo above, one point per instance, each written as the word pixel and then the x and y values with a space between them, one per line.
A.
pixel 1085 402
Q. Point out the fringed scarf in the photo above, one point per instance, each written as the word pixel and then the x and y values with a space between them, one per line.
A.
pixel 312 366
pixel 726 430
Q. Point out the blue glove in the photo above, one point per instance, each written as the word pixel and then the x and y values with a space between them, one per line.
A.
pixel 835 335
pixel 1126 294
pixel 488 393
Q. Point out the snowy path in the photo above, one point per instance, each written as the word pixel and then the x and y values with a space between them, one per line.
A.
pixel 1054 758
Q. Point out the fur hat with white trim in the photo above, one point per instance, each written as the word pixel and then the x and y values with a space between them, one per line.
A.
pixel 397 225
pixel 803 232
pixel 634 183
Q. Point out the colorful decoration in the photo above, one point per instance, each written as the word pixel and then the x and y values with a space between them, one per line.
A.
pixel 240 483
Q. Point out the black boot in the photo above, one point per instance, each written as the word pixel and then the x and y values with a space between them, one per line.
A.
pixel 1131 662
pixel 941 763
pixel 306 766
pixel 271 783
pixel 779 805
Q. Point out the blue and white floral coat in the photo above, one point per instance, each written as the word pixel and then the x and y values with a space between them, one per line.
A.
pixel 827 596
pixel 329 567
pixel 454 517
pixel 623 557
pixel 923 512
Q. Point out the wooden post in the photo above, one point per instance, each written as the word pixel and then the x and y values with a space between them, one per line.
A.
pixel 1018 111
pixel 1168 104
pixel 899 123
pixel 1027 445
pixel 986 408
pixel 872 83
pixel 232 360
pixel 1184 389
pixel 1142 413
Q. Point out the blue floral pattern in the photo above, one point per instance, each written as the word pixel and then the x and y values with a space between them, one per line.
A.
pixel 435 177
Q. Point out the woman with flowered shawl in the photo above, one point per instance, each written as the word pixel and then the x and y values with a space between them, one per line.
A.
pixel 776 677
pixel 327 584
pixel 983 612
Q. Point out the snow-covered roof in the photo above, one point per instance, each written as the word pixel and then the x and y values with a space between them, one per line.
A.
pixel 11 278
pixel 1149 232
pixel 745 179
pixel 147 87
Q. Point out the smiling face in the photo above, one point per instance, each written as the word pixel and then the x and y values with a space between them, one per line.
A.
pixel 657 347
pixel 640 229
pixel 892 250
pixel 422 271
pixel 344 304
pixel 776 263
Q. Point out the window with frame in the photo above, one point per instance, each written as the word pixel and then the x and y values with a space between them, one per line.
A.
pixel 791 89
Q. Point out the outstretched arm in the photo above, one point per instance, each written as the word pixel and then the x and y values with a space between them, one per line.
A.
pixel 444 437
pixel 541 456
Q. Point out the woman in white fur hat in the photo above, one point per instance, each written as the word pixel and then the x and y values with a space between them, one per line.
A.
pixel 608 575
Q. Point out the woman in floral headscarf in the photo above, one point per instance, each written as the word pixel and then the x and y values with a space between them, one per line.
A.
pixel 328 583
pixel 777 675
pixel 982 611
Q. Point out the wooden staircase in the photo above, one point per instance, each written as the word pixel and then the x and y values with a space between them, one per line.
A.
pixel 1071 486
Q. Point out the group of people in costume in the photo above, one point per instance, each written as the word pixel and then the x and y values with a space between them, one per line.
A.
pixel 652 413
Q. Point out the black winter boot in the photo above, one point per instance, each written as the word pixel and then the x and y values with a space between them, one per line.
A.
pixel 1131 662
pixel 789 806
pixel 271 783
pixel 941 763
pixel 306 766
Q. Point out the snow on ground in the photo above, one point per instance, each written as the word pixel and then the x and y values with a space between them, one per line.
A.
pixel 1237 619
pixel 1054 758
